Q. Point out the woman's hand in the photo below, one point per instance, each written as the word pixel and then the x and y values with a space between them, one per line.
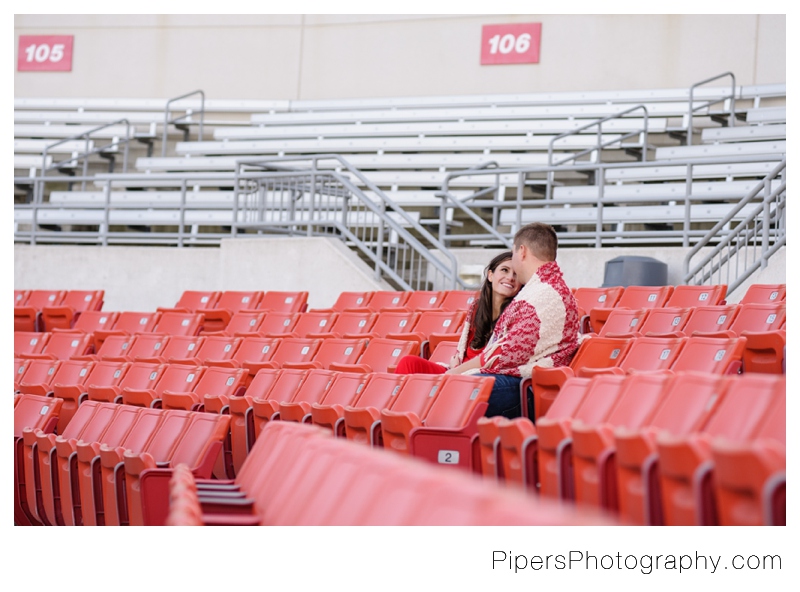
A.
pixel 454 361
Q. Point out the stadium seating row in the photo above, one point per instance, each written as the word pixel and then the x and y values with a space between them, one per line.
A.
pixel 89 474
pixel 298 475
pixel 689 448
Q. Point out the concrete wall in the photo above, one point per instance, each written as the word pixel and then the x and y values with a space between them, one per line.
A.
pixel 338 56
pixel 144 278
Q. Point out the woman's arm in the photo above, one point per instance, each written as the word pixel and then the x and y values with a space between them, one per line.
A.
pixel 469 365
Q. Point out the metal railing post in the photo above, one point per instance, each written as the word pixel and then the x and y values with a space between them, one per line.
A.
pixel 732 121
pixel 167 119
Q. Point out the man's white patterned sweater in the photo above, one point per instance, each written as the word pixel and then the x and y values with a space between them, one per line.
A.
pixel 538 328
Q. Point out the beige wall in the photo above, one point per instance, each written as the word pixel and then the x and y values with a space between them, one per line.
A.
pixel 339 56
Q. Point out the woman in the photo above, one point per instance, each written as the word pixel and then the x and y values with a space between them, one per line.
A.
pixel 498 289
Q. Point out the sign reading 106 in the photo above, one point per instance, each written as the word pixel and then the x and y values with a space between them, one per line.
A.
pixel 511 44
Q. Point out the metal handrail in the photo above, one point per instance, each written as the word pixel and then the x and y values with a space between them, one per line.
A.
pixel 87 135
pixel 692 108
pixel 731 245
pixel 600 144
pixel 167 120
pixel 386 203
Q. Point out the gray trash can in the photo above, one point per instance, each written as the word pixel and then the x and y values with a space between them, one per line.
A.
pixel 631 270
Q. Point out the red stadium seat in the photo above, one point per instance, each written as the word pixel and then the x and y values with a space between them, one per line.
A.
pixel 194 300
pixel 632 297
pixel 27 317
pixel 360 417
pixel 764 294
pixel 64 314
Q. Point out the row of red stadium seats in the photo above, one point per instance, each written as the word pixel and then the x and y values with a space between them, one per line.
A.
pixel 658 448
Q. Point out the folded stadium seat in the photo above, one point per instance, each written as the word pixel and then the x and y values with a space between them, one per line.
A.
pixel 750 477
pixel 179 323
pixel 48 495
pixel 454 300
pixel 709 319
pixel 128 323
pixel 243 434
pixel 284 301
pixel 114 347
pixel 517 453
pixel 712 355
pixel 139 375
pixel 593 452
pixel 378 356
pixel 69 310
pixel 278 324
pixel 416 396
pixel 632 297
pixel 38 375
pixel 244 323
pixel 313 324
pixel 198 446
pixel 90 321
pixel 180 378
pixel 646 354
pixel 20 297
pixel 333 351
pixel 690 399
pixel 391 322
pixel 347 300
pixel 20 365
pixel 63 346
pixel 764 294
pixel 29 342
pixel 448 433
pixel 432 322
pixel 443 352
pixel 349 324
pixel 212 348
pixel 292 349
pixel 146 347
pixel 313 389
pixel 624 322
pixel 176 346
pixel 252 354
pixel 383 299
pixel 554 431
pixel 589 298
pixel 27 317
pixel 685 473
pixel 68 372
pixel 31 412
pixel 214 381
pixel 266 403
pixel 144 422
pixel 762 326
pixel 489 441
pixel 594 352
pixel 345 390
pixel 684 296
pixel 74 392
pixel 420 300
pixel 103 487
pixel 193 300
pixel 754 318
pixel 217 317
pixel 361 415
pixel 765 352
pixel 666 322
pixel 68 510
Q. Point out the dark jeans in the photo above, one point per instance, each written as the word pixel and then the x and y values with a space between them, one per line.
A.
pixel 504 399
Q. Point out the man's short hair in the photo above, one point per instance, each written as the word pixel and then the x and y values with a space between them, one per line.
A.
pixel 540 238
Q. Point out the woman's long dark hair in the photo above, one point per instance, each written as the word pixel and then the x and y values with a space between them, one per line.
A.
pixel 482 319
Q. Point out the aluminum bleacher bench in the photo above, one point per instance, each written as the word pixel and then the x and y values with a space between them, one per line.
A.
pixel 662 172
pixel 38 146
pixel 123 104
pixel 776 147
pixel 415 128
pixel 484 144
pixel 745 133
pixel 25 130
pixel 667 191
pixel 766 115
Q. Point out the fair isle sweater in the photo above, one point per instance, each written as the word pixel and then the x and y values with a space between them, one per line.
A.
pixel 538 328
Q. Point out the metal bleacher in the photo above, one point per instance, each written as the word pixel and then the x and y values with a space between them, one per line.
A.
pixel 416 173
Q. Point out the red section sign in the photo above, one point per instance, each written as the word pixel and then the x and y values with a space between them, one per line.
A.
pixel 45 53
pixel 511 44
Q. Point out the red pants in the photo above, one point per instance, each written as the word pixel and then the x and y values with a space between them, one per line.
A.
pixel 417 365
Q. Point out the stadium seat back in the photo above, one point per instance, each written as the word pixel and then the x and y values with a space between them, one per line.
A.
pixel 458 300
pixel 284 301
pixel 685 296
pixel 764 294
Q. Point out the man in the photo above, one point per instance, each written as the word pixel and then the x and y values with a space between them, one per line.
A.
pixel 538 328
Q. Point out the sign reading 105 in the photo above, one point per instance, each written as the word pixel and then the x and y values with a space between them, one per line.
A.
pixel 45 53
